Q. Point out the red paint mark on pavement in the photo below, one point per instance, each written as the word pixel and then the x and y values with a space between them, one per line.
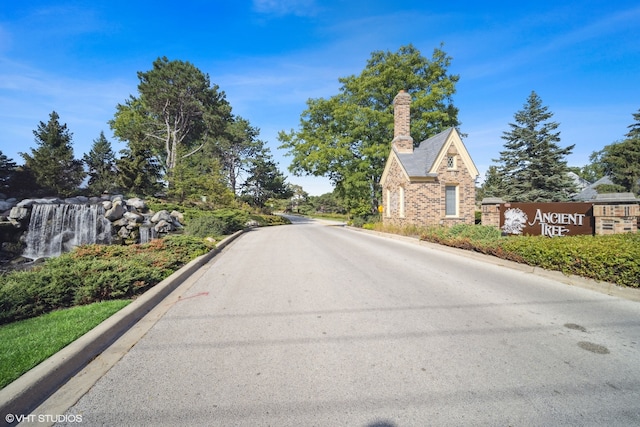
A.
pixel 199 294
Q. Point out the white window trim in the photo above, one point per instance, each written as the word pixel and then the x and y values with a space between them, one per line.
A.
pixel 401 203
pixel 457 201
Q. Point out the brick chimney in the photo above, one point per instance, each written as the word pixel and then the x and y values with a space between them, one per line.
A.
pixel 402 141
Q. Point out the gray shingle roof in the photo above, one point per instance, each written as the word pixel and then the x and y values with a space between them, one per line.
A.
pixel 616 197
pixel 590 192
pixel 418 163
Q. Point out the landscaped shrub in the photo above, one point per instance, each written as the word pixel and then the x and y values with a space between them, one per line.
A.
pixel 234 219
pixel 611 258
pixel 206 226
pixel 94 273
pixel 264 220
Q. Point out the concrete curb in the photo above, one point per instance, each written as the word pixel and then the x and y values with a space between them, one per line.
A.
pixel 27 392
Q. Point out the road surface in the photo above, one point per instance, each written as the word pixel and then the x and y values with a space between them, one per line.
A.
pixel 319 325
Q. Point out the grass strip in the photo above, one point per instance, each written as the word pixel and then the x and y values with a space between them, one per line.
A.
pixel 26 343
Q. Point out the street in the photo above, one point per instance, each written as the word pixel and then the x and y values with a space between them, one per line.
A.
pixel 315 324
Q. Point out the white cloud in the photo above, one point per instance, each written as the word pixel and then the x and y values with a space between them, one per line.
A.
pixel 286 7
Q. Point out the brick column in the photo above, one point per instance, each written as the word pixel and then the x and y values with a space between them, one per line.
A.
pixel 491 211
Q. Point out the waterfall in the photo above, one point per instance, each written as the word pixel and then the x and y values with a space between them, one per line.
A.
pixel 57 228
pixel 147 231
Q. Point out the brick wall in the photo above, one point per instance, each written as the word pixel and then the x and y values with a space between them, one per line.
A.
pixel 491 214
pixel 608 218
pixel 424 202
pixel 616 218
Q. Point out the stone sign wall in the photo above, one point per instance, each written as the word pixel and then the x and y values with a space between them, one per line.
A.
pixel 607 214
pixel 547 219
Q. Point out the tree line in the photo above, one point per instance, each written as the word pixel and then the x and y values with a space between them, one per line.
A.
pixel 532 167
pixel 347 137
pixel 181 139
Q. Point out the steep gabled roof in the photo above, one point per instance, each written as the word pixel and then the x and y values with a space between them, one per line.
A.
pixel 426 158
pixel 423 162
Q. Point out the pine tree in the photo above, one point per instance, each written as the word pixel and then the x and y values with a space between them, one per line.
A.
pixel 265 181
pixel 7 172
pixel 532 167
pixel 52 163
pixel 138 172
pixel 101 163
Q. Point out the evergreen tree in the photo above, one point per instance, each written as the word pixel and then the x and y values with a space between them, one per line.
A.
pixel 101 163
pixel 7 173
pixel 236 148
pixel 138 171
pixel 52 164
pixel 177 110
pixel 532 167
pixel 265 181
pixel 492 185
pixel 621 160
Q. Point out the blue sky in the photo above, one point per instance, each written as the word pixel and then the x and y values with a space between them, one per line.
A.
pixel 80 59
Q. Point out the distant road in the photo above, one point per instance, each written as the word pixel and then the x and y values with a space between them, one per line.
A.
pixel 314 324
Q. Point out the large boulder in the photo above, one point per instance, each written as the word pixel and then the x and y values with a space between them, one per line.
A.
pixel 161 216
pixel 177 216
pixel 164 226
pixel 116 212
pixel 137 203
pixel 19 213
pixel 133 217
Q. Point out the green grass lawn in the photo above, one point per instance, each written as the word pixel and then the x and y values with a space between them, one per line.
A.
pixel 26 343
pixel 333 217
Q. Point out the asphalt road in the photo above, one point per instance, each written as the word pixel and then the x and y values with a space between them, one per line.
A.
pixel 319 325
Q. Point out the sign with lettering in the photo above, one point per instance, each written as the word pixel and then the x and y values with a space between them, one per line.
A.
pixel 547 219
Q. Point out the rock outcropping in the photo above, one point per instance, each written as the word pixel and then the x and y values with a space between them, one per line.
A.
pixel 45 227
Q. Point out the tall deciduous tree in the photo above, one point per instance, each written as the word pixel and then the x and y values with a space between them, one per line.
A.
pixel 532 166
pixel 347 137
pixel 101 165
pixel 621 161
pixel 200 177
pixel 176 110
pixel 52 164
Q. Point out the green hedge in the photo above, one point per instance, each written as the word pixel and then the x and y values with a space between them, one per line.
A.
pixel 94 273
pixel 613 258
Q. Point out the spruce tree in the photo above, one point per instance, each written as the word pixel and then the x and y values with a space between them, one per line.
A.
pixel 101 164
pixel 52 164
pixel 532 167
